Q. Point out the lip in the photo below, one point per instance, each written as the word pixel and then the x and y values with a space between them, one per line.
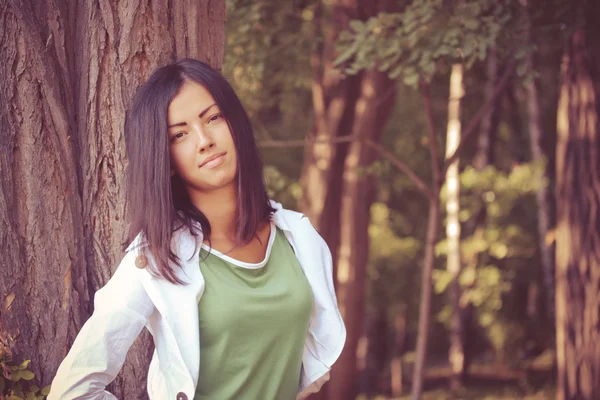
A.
pixel 213 158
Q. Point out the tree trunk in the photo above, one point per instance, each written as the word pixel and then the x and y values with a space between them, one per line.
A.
pixel 542 195
pixel 489 123
pixel 433 221
pixel 372 111
pixel 476 226
pixel 68 71
pixel 456 353
pixel 343 107
pixel 397 352
pixel 334 98
pixel 578 217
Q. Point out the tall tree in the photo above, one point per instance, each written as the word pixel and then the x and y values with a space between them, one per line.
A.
pixel 484 156
pixel 334 100
pixel 409 45
pixel 578 219
pixel 371 113
pixel 538 156
pixel 337 198
pixel 68 70
pixel 456 354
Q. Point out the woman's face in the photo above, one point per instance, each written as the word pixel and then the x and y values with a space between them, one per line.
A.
pixel 201 147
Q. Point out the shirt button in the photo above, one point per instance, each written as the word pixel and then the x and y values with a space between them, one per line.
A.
pixel 181 396
pixel 141 262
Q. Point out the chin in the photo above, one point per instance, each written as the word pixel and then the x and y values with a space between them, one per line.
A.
pixel 219 184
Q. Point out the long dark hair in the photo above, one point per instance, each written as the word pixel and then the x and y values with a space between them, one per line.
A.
pixel 157 203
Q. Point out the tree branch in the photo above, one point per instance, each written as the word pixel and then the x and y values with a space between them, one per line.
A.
pixel 433 149
pixel 402 167
pixel 344 139
pixel 303 142
pixel 470 130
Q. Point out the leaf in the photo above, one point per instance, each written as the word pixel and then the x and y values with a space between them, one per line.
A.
pixel 346 55
pixel 24 364
pixel 26 375
pixel 45 390
pixel 411 80
pixel 15 376
pixel 471 23
pixel 356 25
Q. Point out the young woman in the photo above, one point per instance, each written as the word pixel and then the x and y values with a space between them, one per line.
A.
pixel 236 291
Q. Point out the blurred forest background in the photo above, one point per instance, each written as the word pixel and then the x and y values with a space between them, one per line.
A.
pixel 447 151
pixel 349 99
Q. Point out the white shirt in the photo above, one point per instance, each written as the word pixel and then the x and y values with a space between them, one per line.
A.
pixel 134 299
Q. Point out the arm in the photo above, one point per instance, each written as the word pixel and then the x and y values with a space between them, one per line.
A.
pixel 121 310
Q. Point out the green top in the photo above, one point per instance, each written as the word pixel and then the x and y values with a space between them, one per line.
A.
pixel 253 324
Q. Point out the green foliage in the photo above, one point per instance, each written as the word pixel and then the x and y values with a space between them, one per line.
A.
pixel 390 257
pixel 267 61
pixel 13 377
pixel 268 43
pixel 410 45
pixel 495 253
pixel 287 191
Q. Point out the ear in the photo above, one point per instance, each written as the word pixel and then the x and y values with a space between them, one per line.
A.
pixel 172 172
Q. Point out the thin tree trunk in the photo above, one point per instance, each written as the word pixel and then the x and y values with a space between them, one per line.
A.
pixel 354 105
pixel 398 351
pixel 433 221
pixel 353 253
pixel 433 194
pixel 578 217
pixel 476 226
pixel 66 79
pixel 334 99
pixel 489 123
pixel 456 352
pixel 542 195
pixel 517 141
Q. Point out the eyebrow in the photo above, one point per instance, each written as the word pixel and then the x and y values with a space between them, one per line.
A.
pixel 202 113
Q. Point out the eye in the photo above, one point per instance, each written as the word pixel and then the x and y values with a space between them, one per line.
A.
pixel 215 118
pixel 177 136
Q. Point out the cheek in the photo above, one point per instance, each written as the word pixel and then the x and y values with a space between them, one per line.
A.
pixel 179 161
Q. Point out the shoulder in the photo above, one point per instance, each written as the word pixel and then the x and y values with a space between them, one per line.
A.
pixel 288 219
pixel 125 289
pixel 183 244
pixel 298 224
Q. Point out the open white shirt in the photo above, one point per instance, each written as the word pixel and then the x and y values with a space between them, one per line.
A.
pixel 134 299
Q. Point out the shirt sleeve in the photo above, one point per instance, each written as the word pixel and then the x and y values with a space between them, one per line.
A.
pixel 121 309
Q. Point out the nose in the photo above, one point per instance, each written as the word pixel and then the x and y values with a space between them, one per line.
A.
pixel 205 139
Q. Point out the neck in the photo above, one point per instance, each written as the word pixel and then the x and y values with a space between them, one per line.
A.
pixel 220 208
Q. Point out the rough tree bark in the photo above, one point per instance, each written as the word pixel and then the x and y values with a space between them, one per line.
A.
pixel 578 216
pixel 68 71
